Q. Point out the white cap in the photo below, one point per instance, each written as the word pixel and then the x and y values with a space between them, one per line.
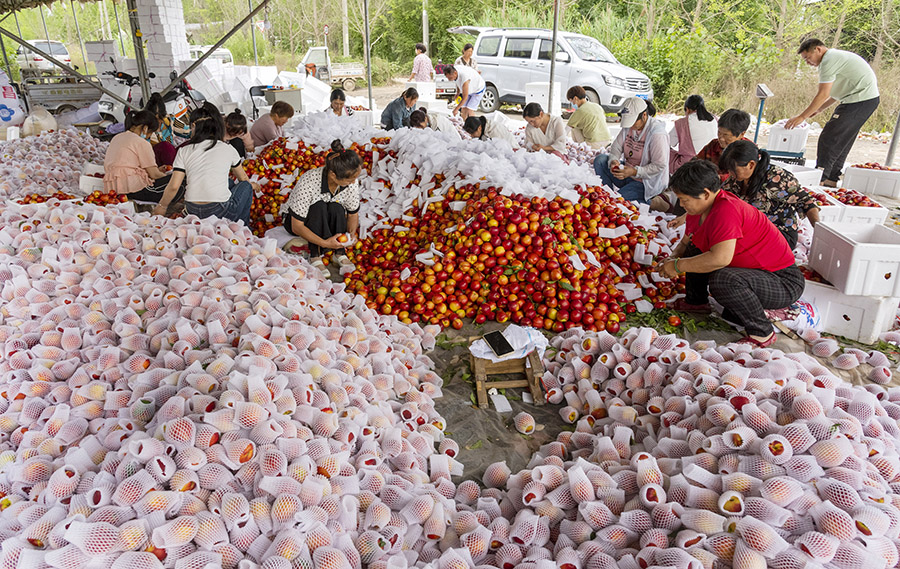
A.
pixel 633 107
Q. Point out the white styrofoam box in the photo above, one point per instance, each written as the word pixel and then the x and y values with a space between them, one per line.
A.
pixel 860 318
pixel 426 89
pixel 857 259
pixel 784 140
pixel 539 92
pixel 876 182
pixel 87 183
pixel 832 213
pixel 365 118
pixel 805 175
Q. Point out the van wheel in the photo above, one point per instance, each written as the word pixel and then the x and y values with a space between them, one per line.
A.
pixel 491 100
pixel 592 96
pixel 349 84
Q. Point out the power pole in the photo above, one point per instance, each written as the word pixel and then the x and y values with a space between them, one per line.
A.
pixel 345 20
pixel 425 24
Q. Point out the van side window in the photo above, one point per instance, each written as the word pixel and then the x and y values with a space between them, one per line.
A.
pixel 489 47
pixel 519 48
pixel 544 52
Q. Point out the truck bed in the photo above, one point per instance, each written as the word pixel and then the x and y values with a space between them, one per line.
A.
pixel 53 96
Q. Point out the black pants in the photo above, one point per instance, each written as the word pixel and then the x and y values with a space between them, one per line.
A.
pixel 325 219
pixel 154 192
pixel 839 134
pixel 746 293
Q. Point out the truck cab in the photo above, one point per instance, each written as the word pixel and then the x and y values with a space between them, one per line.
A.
pixel 510 58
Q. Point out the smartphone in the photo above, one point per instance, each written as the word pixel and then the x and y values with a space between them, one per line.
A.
pixel 498 343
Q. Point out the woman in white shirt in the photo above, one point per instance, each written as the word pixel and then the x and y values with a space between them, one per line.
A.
pixel 484 128
pixel 422 119
pixel 691 132
pixel 544 132
pixel 323 207
pixel 204 162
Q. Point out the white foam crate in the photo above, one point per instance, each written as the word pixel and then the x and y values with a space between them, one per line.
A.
pixel 838 211
pixel 857 259
pixel 833 212
pixel 873 182
pixel 787 140
pixel 87 183
pixel 860 318
pixel 805 175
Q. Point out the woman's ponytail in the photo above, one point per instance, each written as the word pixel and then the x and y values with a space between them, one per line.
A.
pixel 695 103
pixel 344 163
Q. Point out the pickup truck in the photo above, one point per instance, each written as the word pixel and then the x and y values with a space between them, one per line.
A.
pixel 59 94
pixel 317 62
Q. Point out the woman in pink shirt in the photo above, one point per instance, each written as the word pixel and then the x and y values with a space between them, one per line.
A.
pixel 130 164
pixel 422 70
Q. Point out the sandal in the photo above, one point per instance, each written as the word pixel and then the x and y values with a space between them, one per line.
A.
pixel 759 344
pixel 343 260
pixel 320 264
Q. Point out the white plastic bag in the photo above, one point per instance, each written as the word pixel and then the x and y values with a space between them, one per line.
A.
pixel 523 341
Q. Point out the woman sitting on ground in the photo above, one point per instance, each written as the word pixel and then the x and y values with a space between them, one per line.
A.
pixel 484 128
pixel 691 133
pixel 338 103
pixel 396 114
pixel 129 163
pixel 236 133
pixel 163 140
pixel 422 119
pixel 769 188
pixel 544 132
pixel 270 126
pixel 324 206
pixel 731 127
pixel 738 253
pixel 204 163
pixel 588 122
pixel 638 160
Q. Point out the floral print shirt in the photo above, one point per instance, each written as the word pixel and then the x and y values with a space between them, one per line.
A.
pixel 781 199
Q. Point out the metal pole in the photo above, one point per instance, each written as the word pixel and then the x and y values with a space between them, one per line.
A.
pixel 119 27
pixel 139 57
pixel 762 103
pixel 63 66
pixel 368 54
pixel 6 59
pixel 253 34
pixel 425 29
pixel 18 27
pixel 84 60
pixel 203 57
pixel 892 149
pixel 553 54
pixel 345 19
pixel 46 33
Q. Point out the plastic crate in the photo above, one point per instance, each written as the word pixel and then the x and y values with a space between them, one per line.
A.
pixel 860 318
pixel 873 182
pixel 857 259
pixel 784 140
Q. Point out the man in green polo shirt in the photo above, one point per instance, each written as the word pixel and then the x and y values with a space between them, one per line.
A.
pixel 847 79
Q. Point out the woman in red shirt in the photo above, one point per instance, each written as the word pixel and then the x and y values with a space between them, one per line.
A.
pixel 747 261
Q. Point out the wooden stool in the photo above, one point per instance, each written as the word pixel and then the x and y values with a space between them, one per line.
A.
pixel 484 369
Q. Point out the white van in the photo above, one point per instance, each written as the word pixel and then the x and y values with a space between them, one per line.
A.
pixel 510 58
pixel 222 54
pixel 30 60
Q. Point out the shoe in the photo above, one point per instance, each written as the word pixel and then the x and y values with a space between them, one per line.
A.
pixel 342 260
pixel 682 306
pixel 319 264
pixel 759 344
pixel 829 183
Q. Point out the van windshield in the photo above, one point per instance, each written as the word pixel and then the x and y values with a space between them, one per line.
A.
pixel 590 49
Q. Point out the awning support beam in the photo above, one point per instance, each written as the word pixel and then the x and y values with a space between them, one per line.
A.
pixel 218 44
pixel 63 66
pixel 139 56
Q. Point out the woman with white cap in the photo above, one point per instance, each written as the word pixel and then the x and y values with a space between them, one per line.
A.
pixel 638 160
